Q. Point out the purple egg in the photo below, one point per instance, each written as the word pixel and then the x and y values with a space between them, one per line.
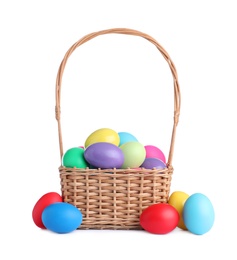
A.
pixel 104 155
pixel 150 163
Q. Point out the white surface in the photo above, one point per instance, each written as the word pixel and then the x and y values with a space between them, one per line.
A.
pixel 128 77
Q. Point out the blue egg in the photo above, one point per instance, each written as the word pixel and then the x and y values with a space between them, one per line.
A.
pixel 61 217
pixel 198 214
pixel 126 137
pixel 104 155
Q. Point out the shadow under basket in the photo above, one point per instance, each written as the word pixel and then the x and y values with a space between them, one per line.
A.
pixel 115 198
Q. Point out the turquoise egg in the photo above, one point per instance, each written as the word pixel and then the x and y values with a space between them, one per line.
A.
pixel 198 214
pixel 126 137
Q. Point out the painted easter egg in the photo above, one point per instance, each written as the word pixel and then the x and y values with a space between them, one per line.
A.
pixel 134 154
pixel 104 155
pixel 198 214
pixel 160 218
pixel 62 217
pixel 153 151
pixel 126 137
pixel 151 163
pixel 177 199
pixel 74 157
pixel 103 135
pixel 41 204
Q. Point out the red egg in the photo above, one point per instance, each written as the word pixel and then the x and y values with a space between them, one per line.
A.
pixel 160 218
pixel 41 204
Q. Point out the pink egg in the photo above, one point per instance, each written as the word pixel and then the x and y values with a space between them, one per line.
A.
pixel 154 152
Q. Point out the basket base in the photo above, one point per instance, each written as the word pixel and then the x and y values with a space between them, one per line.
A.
pixel 100 225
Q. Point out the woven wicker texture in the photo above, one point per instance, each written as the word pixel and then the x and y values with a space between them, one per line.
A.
pixel 115 198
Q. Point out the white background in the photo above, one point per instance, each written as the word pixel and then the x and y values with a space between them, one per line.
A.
pixel 128 77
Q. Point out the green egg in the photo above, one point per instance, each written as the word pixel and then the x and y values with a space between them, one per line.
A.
pixel 74 157
pixel 134 154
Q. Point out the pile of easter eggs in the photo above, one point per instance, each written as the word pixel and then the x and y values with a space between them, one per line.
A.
pixel 107 149
pixel 193 213
pixel 50 212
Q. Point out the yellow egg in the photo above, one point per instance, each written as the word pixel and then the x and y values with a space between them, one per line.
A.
pixel 103 135
pixel 177 199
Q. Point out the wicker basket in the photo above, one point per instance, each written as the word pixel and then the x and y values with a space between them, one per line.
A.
pixel 115 198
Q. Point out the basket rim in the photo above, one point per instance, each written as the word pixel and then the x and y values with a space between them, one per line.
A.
pixel 112 172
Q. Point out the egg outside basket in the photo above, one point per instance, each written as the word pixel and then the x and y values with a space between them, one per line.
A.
pixel 115 198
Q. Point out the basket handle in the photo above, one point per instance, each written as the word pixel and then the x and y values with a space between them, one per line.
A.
pixel 177 98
